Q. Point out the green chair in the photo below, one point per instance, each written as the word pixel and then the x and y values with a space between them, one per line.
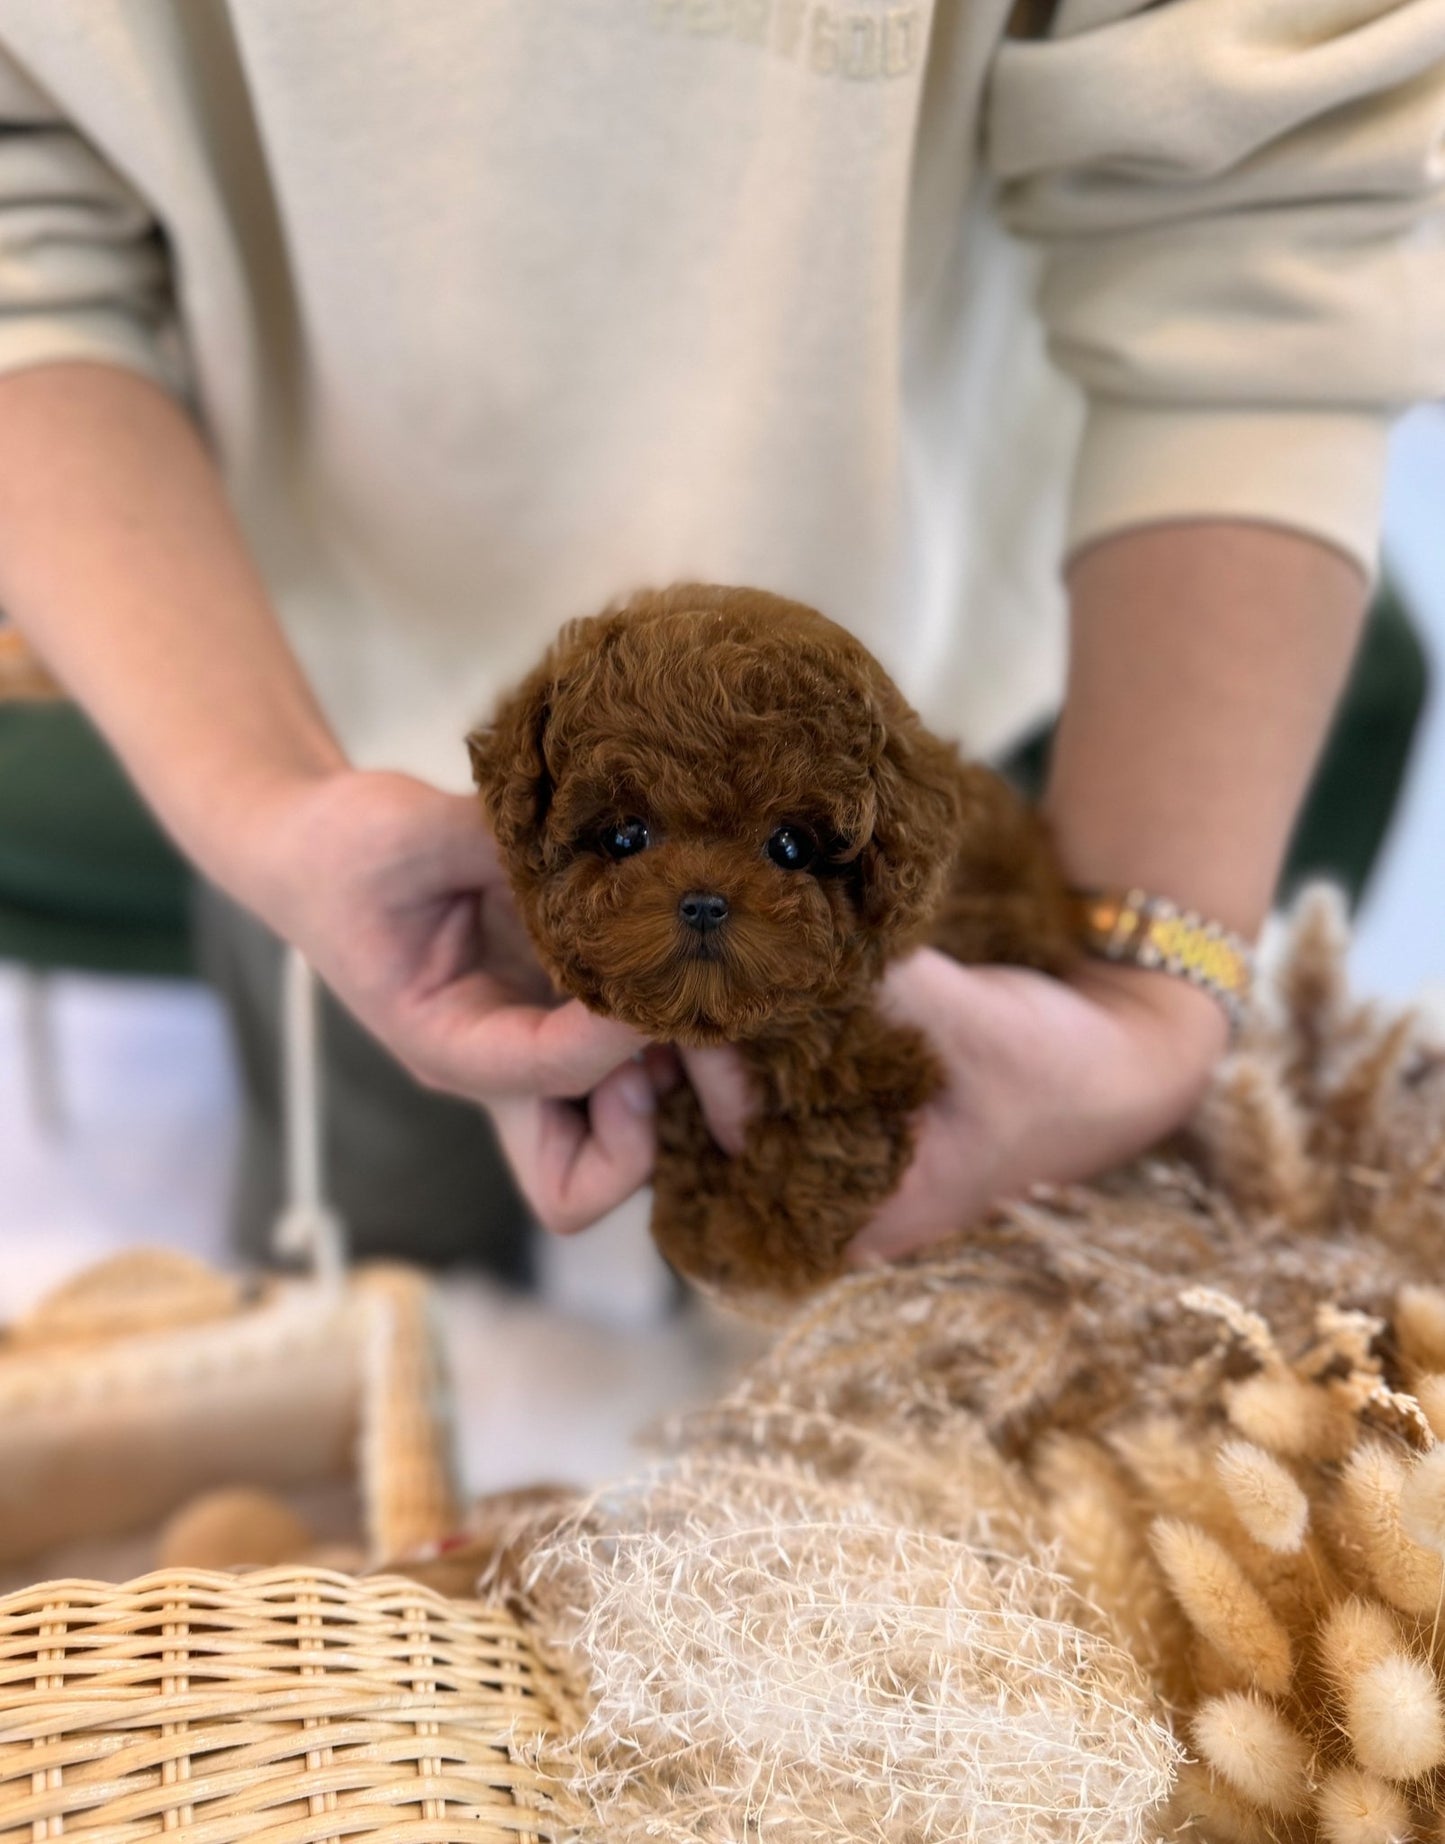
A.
pixel 88 882
pixel 87 879
pixel 1346 819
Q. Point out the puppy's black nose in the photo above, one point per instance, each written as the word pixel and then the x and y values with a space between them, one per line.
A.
pixel 703 910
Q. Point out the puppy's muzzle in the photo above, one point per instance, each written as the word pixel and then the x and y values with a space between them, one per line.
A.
pixel 703 911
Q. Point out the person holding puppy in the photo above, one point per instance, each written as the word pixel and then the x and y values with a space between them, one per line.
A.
pixel 343 354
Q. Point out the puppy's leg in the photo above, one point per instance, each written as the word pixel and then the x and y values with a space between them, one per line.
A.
pixel 777 1218
pixel 1007 900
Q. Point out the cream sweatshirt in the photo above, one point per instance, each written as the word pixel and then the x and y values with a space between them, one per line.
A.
pixel 496 309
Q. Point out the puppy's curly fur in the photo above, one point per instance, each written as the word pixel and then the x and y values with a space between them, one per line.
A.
pixel 722 822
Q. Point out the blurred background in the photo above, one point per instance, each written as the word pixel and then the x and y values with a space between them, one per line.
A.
pixel 118 1111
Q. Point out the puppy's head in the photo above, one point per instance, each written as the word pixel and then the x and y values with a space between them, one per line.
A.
pixel 717 812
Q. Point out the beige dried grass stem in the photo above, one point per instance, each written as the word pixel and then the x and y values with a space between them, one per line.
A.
pixel 1354 1635
pixel 1252 1135
pixel 1419 1321
pixel 1393 1717
pixel 1360 1808
pixel 1256 1751
pixel 1223 1606
pixel 1430 1394
pixel 1401 1572
pixel 1100 1529
pixel 1267 1499
pixel 1312 989
pixel 1290 1417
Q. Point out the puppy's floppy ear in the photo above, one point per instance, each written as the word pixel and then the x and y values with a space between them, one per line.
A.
pixel 509 766
pixel 917 828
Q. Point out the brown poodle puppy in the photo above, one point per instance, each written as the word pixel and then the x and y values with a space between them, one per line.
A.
pixel 722 822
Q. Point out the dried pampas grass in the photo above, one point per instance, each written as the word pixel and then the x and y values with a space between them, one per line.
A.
pixel 1093 1515
pixel 1359 1808
pixel 1392 1717
pixel 1354 1635
pixel 1420 1326
pixel 773 1657
pixel 1267 1499
pixel 1251 1746
pixel 1368 1519
pixel 1284 1415
pixel 1221 1605
pixel 1422 1502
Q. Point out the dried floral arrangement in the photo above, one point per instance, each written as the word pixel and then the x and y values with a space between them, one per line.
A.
pixel 1122 1518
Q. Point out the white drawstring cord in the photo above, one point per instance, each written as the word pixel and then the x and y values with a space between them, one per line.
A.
pixel 308 1227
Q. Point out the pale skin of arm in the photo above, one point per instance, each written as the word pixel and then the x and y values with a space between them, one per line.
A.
pixel 120 560
pixel 1206 661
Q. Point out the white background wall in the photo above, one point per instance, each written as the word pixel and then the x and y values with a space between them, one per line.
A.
pixel 1400 945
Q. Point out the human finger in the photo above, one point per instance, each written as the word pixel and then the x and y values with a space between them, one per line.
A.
pixel 410 841
pixel 664 1067
pixel 470 1039
pixel 929 1206
pixel 725 1093
pixel 575 1163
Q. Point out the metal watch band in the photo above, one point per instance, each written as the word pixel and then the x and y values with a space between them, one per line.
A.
pixel 1150 931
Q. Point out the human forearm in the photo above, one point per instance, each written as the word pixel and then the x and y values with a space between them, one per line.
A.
pixel 120 559
pixel 1205 664
pixel 1206 661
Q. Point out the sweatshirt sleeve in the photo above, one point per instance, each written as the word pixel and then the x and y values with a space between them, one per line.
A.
pixel 1240 208
pixel 83 267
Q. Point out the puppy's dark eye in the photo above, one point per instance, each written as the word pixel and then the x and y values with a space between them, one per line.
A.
pixel 624 840
pixel 791 848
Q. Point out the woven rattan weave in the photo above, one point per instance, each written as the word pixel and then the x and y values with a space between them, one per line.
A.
pixel 285 1707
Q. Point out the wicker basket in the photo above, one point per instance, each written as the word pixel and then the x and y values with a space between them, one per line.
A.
pixel 146 1382
pixel 285 1707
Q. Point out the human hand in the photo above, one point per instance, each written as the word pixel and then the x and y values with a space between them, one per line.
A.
pixel 394 893
pixel 1045 1082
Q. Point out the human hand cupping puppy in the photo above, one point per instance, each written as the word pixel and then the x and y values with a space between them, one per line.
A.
pixel 405 912
pixel 1045 1081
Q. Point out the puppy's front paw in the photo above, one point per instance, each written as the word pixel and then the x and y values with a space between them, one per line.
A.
pixel 776 1220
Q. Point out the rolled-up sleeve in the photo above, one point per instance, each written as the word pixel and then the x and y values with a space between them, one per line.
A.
pixel 83 266
pixel 1240 204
